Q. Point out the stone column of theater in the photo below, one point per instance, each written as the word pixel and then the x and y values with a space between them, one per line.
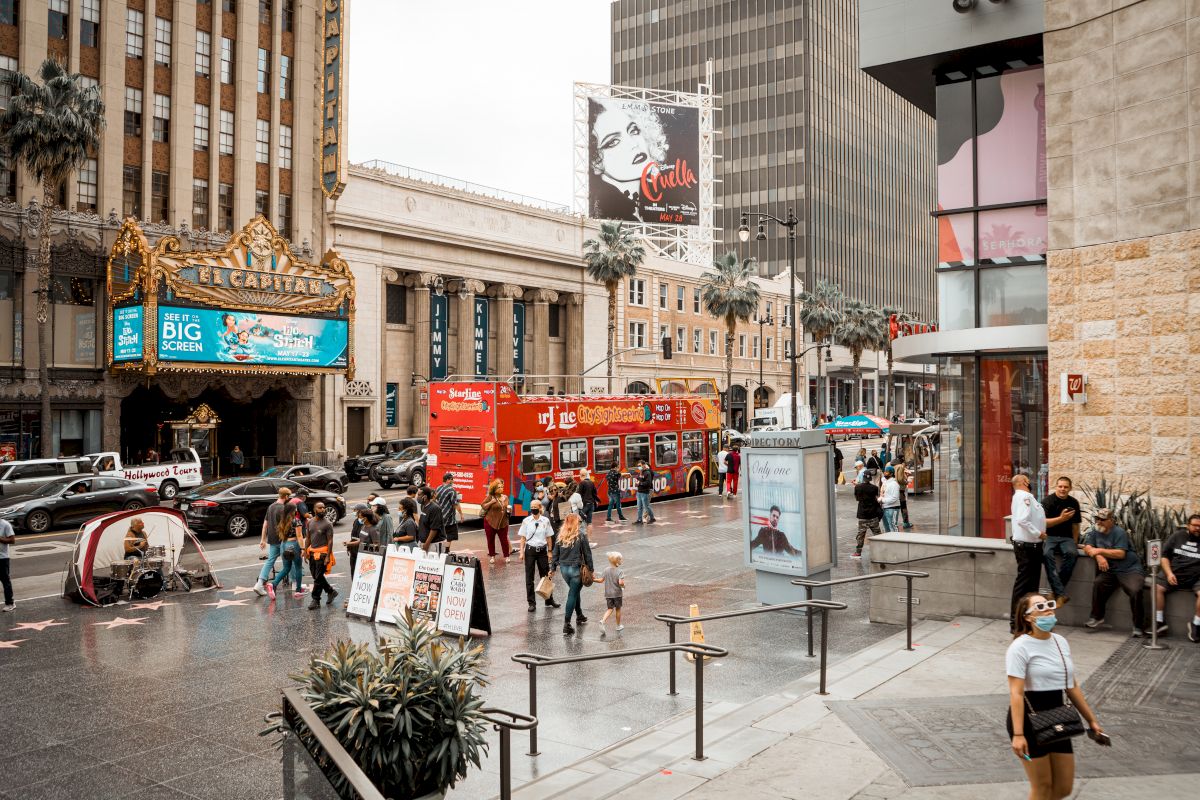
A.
pixel 420 282
pixel 573 363
pixel 539 315
pixel 467 289
pixel 504 293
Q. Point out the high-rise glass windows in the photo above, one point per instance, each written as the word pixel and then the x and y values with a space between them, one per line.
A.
pixel 162 118
pixel 262 203
pixel 9 12
pixel 225 206
pixel 264 12
pixel 225 134
pixel 203 53
pixel 199 204
pixel 289 15
pixel 8 178
pixel 160 196
pixel 285 215
pixel 135 33
pixel 162 41
pixel 264 71
pixel 89 23
pixel 131 185
pixel 226 60
pixel 200 131
pixel 285 78
pixel 285 146
pixel 87 182
pixel 8 66
pixel 133 111
pixel 262 141
pixel 58 11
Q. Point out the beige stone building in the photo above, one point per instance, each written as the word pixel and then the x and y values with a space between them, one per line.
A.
pixel 1122 134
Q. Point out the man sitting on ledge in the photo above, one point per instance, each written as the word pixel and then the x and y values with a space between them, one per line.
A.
pixel 1181 572
pixel 1117 566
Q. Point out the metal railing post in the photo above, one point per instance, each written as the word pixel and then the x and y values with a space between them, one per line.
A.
pixel 808 595
pixel 533 744
pixel 671 657
pixel 908 610
pixel 824 648
pixel 505 765
pixel 699 708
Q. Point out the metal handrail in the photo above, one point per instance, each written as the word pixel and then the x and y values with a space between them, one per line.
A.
pixel 908 576
pixel 971 551
pixel 295 706
pixel 506 721
pixel 534 660
pixel 824 606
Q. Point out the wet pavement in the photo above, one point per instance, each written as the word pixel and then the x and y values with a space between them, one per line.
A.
pixel 166 699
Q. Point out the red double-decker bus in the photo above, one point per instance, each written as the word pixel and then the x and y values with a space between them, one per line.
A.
pixel 480 431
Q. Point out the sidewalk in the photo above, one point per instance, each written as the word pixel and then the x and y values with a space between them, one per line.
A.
pixel 921 724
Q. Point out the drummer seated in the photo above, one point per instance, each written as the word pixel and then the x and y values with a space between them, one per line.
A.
pixel 135 539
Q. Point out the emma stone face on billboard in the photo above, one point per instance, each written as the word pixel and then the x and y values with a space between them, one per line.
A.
pixel 624 141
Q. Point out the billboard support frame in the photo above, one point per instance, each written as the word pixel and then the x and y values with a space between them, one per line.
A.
pixel 692 244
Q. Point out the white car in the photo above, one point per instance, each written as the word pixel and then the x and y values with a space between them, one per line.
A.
pixel 181 469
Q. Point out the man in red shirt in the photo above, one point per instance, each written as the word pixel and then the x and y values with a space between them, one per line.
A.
pixel 734 460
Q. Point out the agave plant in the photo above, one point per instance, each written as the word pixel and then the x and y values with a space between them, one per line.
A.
pixel 1134 510
pixel 409 715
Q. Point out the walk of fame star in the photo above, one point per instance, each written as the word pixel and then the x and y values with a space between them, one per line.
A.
pixel 120 622
pixel 235 591
pixel 36 626
pixel 155 606
pixel 226 603
pixel 11 645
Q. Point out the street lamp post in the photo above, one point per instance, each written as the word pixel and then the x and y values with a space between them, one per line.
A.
pixel 790 223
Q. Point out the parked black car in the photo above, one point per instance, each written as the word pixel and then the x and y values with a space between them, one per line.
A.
pixel 405 468
pixel 73 501
pixel 237 506
pixel 310 475
pixel 361 467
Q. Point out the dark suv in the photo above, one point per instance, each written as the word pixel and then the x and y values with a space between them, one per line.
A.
pixel 360 467
pixel 405 468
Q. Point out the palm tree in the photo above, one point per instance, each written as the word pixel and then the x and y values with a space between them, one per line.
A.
pixel 885 344
pixel 51 128
pixel 820 315
pixel 858 331
pixel 729 293
pixel 610 258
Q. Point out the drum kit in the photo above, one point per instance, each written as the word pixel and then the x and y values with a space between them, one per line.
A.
pixel 146 577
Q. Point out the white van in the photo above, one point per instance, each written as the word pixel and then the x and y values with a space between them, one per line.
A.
pixel 22 477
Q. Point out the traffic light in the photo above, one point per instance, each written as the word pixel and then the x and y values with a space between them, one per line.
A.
pixel 666 347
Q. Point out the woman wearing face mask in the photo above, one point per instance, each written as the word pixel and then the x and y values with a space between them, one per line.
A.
pixel 1039 670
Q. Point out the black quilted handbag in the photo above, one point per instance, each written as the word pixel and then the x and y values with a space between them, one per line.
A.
pixel 1058 723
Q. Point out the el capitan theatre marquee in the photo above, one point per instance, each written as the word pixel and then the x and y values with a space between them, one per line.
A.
pixel 248 308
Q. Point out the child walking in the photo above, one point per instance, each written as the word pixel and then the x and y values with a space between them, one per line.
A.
pixel 613 579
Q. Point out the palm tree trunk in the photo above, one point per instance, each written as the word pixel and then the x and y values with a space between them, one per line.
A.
pixel 729 375
pixel 612 331
pixel 43 317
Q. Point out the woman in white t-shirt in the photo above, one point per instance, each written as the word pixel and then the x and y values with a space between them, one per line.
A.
pixel 1039 670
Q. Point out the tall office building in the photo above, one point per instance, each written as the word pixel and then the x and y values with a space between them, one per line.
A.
pixel 787 72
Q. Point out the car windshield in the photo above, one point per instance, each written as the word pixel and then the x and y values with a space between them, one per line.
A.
pixel 375 448
pixel 409 453
pixel 53 487
pixel 216 487
pixel 272 471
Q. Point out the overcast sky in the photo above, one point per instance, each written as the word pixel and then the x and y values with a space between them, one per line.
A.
pixel 475 89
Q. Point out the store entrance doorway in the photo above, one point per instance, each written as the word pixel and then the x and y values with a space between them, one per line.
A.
pixel 256 426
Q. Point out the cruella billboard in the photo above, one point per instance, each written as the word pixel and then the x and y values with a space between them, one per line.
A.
pixel 643 159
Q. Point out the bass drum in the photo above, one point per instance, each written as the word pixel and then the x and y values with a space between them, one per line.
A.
pixel 149 584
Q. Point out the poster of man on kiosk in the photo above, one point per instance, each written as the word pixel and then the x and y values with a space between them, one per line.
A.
pixel 775 537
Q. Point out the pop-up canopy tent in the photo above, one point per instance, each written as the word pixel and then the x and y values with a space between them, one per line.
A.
pixel 101 542
pixel 857 425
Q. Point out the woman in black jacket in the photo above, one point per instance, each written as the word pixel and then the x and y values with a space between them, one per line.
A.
pixel 572 552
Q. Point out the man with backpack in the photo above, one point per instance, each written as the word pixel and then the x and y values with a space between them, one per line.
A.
pixel 869 511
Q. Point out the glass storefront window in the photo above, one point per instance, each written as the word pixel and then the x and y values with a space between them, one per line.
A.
pixel 956 300
pixel 1010 232
pixel 956 239
pixel 73 308
pixel 955 132
pixel 76 432
pixel 1012 295
pixel 957 460
pixel 9 330
pixel 1011 112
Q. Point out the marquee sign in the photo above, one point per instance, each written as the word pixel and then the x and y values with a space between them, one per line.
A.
pixel 250 307
pixel 333 116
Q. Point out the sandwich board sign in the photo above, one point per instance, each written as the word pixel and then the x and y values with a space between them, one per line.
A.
pixel 364 586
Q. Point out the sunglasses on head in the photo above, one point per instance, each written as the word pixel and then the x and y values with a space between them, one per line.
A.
pixel 1045 605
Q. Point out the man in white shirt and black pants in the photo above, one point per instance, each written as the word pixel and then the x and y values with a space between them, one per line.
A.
pixel 1028 533
pixel 537 537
